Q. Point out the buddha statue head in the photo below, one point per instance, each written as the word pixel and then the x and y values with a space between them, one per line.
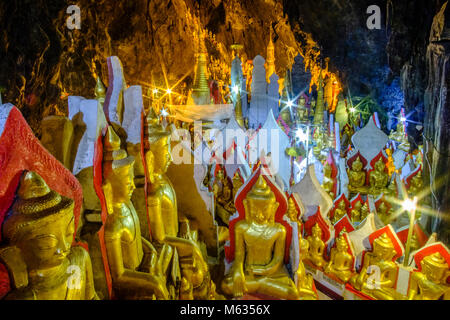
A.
pixel 357 206
pixel 380 165
pixel 219 175
pixel 383 248
pixel 118 173
pixel 341 243
pixel 357 165
pixel 382 209
pixel 316 231
pixel 435 268
pixel 260 203
pixel 41 223
pixel 341 205
pixel 157 142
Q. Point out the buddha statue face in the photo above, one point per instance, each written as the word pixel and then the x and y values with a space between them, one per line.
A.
pixel 162 157
pixel 118 170
pixel 357 165
pixel 341 205
pixel 219 175
pixel 260 202
pixel 383 248
pixel 41 224
pixel 435 268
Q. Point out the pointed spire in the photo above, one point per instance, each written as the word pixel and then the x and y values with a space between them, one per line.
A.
pixel 200 92
pixel 320 103
pixel 100 91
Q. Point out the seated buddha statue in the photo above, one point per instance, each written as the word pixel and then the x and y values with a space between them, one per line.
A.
pixel 38 253
pixel 339 212
pixel 383 212
pixel 302 111
pixel 378 178
pixel 399 134
pixel 237 183
pixel 341 261
pixel 163 215
pixel 356 177
pixel 258 265
pixel 355 213
pixel 431 282
pixel 379 286
pixel 320 141
pixel 132 259
pixel 225 203
pixel 218 183
pixel 364 211
pixel 304 281
pixel 316 247
pixel 416 184
pixel 328 183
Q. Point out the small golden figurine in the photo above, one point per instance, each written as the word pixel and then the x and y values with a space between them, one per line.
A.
pixel 316 247
pixel 378 178
pixel 382 270
pixel 39 256
pixel 364 211
pixel 357 177
pixel 328 183
pixel 237 183
pixel 339 212
pixel 305 282
pixel 416 184
pixel 431 282
pixel 341 261
pixel 258 265
pixel 355 213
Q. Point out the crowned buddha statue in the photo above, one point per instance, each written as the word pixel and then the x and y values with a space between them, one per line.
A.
pixel 341 261
pixel 339 212
pixel 378 178
pixel 357 177
pixel 305 281
pixel 380 285
pixel 225 203
pixel 399 134
pixel 132 259
pixel 328 183
pixel 355 213
pixel 258 265
pixel 316 247
pixel 38 254
pixel 163 218
pixel 431 282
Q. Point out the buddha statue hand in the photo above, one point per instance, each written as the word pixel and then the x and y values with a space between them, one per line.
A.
pixel 239 286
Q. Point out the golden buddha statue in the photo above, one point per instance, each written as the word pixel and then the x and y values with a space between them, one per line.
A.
pixel 431 282
pixel 364 211
pixel 339 212
pixel 341 261
pixel 237 183
pixel 302 111
pixel 328 183
pixel 392 189
pixel 163 212
pixel 383 212
pixel 380 259
pixel 378 178
pixel 218 183
pixel 132 259
pixel 38 253
pixel 316 247
pixel 258 265
pixel 320 141
pixel 416 184
pixel 399 134
pixel 356 177
pixel 355 213
pixel 304 281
